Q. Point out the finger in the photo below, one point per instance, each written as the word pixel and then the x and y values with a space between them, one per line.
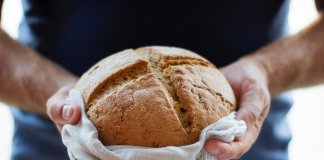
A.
pixel 59 127
pixel 63 92
pixel 253 108
pixel 233 150
pixel 62 111
pixel 223 150
pixel 59 96
pixel 254 103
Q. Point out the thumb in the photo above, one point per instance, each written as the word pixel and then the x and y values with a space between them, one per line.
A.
pixel 62 111
pixel 253 107
pixel 64 114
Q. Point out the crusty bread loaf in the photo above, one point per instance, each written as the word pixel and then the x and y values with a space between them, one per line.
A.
pixel 154 96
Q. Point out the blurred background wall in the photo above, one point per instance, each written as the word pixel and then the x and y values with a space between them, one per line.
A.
pixel 305 118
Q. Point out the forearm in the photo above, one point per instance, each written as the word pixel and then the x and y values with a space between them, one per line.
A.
pixel 296 61
pixel 27 79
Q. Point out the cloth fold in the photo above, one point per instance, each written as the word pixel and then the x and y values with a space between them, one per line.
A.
pixel 83 143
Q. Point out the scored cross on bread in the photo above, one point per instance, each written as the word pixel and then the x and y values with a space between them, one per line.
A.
pixel 154 96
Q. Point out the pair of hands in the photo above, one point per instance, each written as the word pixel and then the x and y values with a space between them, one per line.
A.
pixel 249 83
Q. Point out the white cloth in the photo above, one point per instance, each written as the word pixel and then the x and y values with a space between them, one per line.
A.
pixel 83 143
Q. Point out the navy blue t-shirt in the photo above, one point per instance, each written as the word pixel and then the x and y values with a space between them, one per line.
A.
pixel 220 30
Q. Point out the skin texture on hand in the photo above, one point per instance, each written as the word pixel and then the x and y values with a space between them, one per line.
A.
pixel 253 98
pixel 28 79
pixel 293 62
pixel 62 111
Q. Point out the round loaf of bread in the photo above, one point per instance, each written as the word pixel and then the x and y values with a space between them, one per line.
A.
pixel 154 96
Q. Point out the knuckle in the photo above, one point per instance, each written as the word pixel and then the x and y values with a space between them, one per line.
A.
pixel 50 113
pixel 50 103
pixel 50 106
pixel 64 90
pixel 225 151
pixel 248 83
pixel 54 111
pixel 251 116
pixel 222 151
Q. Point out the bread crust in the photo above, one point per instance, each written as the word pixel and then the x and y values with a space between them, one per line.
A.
pixel 154 96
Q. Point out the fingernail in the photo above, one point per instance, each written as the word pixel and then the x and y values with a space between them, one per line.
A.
pixel 67 112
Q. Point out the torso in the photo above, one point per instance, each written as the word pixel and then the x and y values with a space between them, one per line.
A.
pixel 221 31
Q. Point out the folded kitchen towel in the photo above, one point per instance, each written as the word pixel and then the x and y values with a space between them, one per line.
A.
pixel 83 143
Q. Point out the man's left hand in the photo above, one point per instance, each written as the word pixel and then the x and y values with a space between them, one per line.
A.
pixel 249 84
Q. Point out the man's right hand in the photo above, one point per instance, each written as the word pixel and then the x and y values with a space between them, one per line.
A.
pixel 62 111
